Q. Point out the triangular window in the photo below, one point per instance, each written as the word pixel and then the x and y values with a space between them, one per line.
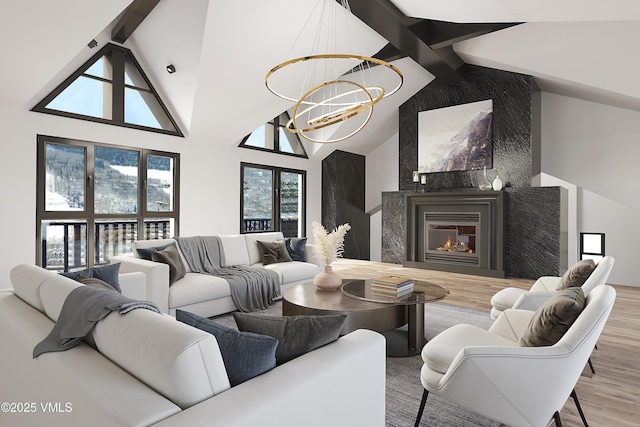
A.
pixel 111 88
pixel 273 136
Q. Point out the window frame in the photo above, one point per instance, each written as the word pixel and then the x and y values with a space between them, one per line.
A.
pixel 119 57
pixel 276 140
pixel 88 215
pixel 275 197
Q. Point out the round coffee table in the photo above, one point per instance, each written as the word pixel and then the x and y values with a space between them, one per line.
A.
pixel 365 310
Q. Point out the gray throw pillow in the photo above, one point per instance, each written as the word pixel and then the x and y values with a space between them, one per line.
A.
pixel 145 253
pixel 554 318
pixel 245 355
pixel 297 248
pixel 296 335
pixel 107 273
pixel 273 252
pixel 577 274
pixel 170 256
pixel 92 281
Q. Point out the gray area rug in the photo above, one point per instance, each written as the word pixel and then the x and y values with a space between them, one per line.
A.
pixel 403 373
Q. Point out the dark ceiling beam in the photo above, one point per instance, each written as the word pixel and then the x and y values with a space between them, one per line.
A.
pixel 133 16
pixel 439 34
pixel 385 18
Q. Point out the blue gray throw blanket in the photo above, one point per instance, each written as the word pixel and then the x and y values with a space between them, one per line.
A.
pixel 83 308
pixel 251 288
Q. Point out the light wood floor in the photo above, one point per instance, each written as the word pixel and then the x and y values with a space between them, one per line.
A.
pixel 609 398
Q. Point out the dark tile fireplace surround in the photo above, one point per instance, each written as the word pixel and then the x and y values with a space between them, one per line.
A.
pixel 531 241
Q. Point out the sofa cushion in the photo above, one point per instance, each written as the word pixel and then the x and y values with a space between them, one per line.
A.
pixel 108 273
pixel 273 252
pixel 577 274
pixel 182 363
pixel 194 288
pixel 296 246
pixel 554 318
pixel 235 250
pixel 245 354
pixel 296 335
pixel 296 271
pixel 26 280
pixel 171 257
pixel 441 350
pixel 54 292
pixel 255 254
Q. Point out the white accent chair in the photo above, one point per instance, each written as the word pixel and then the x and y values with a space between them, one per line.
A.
pixel 489 373
pixel 543 288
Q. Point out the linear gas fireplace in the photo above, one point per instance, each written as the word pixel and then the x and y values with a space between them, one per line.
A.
pixel 451 237
pixel 459 232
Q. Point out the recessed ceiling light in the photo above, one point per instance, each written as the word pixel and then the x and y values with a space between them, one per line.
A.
pixel 171 69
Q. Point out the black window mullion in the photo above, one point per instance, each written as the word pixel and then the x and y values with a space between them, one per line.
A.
pixel 118 58
pixel 90 180
pixel 275 220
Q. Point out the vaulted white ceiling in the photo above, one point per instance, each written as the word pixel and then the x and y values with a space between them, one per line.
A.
pixel 222 51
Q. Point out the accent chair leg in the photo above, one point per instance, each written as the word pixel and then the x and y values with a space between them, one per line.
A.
pixel 425 394
pixel 556 418
pixel 593 371
pixel 575 399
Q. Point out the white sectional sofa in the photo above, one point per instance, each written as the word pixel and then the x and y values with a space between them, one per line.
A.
pixel 207 295
pixel 149 369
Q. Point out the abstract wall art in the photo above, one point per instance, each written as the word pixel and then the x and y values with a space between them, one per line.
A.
pixel 455 138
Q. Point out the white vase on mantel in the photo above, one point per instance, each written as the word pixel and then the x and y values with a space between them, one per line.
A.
pixel 327 280
pixel 497 183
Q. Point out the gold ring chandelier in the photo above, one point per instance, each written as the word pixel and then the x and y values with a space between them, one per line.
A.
pixel 321 109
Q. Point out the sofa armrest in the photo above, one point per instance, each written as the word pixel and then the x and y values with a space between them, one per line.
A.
pixel 346 377
pixel 532 300
pixel 157 278
pixel 133 285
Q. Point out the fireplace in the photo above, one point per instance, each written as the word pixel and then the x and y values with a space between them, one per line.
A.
pixel 460 232
pixel 451 237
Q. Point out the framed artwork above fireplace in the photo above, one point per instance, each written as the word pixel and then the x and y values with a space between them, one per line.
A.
pixel 456 138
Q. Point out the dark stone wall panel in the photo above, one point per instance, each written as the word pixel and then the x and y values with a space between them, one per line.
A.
pixel 343 199
pixel 511 94
pixel 533 230
pixel 394 214
pixel 532 215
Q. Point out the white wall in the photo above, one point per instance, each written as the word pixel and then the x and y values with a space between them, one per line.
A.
pixel 593 147
pixel 381 175
pixel 210 178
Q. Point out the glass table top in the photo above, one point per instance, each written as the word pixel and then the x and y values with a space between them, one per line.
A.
pixel 423 292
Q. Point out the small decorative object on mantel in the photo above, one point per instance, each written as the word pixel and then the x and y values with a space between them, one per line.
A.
pixel 485 184
pixel 329 247
pixel 497 182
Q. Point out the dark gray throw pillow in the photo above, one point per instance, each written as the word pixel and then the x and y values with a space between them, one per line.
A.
pixel 577 274
pixel 92 281
pixel 171 257
pixel 554 318
pixel 273 252
pixel 296 335
pixel 297 248
pixel 145 253
pixel 245 354
pixel 107 273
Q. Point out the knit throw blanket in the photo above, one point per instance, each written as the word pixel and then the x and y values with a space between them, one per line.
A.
pixel 82 309
pixel 251 288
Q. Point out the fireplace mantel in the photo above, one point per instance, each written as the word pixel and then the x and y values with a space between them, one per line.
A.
pixel 487 210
